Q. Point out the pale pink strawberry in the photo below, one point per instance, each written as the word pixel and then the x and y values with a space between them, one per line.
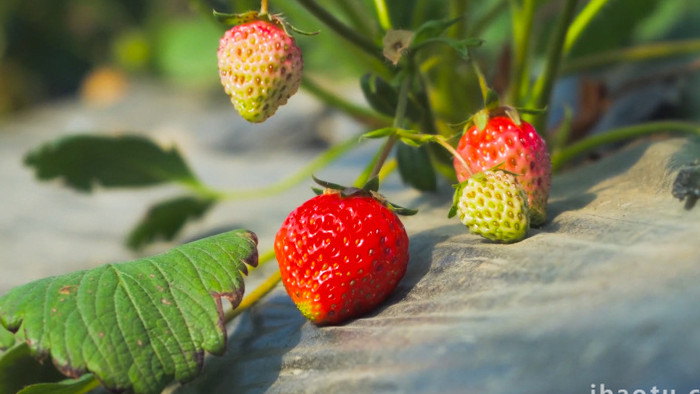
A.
pixel 260 67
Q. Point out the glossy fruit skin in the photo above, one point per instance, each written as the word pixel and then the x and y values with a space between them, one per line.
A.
pixel 494 205
pixel 519 149
pixel 260 67
pixel 340 257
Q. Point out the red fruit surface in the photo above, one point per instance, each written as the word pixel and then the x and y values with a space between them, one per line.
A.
pixel 260 67
pixel 520 150
pixel 340 257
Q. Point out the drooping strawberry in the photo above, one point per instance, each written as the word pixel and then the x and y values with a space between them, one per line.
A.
pixel 260 66
pixel 517 148
pixel 494 205
pixel 341 253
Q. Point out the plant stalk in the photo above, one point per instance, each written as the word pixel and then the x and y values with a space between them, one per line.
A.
pixel 617 135
pixel 633 54
pixel 580 23
pixel 399 118
pixel 383 14
pixel 543 87
pixel 349 34
pixel 522 18
pixel 360 113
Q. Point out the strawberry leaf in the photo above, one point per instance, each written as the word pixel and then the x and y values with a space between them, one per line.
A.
pixel 82 385
pixel 416 168
pixel 135 325
pixel 18 369
pixel 460 46
pixel 165 219
pixel 433 28
pixel 372 185
pixel 83 161
pixel 383 97
pixel 481 119
pixel 379 133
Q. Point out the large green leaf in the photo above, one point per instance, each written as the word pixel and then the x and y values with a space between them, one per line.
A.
pixel 82 161
pixel 135 325
pixel 165 219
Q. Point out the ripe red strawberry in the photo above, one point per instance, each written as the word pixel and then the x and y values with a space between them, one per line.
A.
pixel 341 255
pixel 519 149
pixel 260 67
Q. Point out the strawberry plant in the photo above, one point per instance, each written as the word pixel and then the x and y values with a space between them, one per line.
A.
pixel 441 119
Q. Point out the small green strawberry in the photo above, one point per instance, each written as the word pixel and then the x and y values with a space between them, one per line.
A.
pixel 260 66
pixel 341 254
pixel 494 205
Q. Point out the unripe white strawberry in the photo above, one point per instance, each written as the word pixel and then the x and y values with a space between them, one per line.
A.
pixel 494 205
pixel 260 67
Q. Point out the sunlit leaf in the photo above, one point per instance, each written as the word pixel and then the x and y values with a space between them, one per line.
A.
pixel 135 325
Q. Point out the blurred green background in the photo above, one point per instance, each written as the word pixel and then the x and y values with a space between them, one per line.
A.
pixel 50 48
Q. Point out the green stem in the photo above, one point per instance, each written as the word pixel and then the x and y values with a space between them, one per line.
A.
pixel 358 16
pixel 263 7
pixel 399 118
pixel 420 10
pixel 319 162
pixel 383 14
pixel 458 9
pixel 633 54
pixel 358 112
pixel 581 21
pixel 349 34
pixel 543 87
pixel 522 18
pixel 485 20
pixel 625 133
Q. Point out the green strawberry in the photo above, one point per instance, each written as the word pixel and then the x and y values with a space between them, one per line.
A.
pixel 494 205
pixel 260 67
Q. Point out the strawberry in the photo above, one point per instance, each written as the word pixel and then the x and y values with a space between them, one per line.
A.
pixel 341 254
pixel 494 205
pixel 517 148
pixel 260 67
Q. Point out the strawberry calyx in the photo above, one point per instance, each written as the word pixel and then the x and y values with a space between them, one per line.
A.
pixel 252 16
pixel 481 118
pixel 370 189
